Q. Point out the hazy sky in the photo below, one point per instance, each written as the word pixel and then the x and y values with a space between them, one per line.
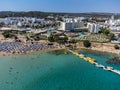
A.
pixel 61 5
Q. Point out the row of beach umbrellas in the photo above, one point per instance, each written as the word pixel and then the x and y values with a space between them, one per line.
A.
pixel 12 47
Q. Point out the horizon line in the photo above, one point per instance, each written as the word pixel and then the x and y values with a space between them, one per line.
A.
pixel 55 11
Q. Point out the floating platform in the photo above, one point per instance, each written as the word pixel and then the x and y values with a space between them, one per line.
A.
pixel 92 61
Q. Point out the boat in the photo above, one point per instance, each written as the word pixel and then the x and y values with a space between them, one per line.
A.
pixel 85 58
pixel 99 65
pixel 96 63
pixel 109 68
pixel 116 71
pixel 105 68
pixel 92 62
pixel 81 56
pixel 76 53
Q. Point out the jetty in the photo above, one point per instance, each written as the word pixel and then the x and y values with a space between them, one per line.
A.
pixel 94 62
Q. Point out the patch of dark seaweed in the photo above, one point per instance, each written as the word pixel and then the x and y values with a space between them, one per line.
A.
pixel 97 53
pixel 56 52
pixel 115 60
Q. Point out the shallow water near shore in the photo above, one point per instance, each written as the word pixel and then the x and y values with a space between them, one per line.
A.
pixel 57 71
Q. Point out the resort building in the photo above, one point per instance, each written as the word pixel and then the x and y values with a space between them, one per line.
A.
pixel 70 24
pixel 113 22
pixel 115 29
pixel 19 24
pixel 1 20
pixel 93 28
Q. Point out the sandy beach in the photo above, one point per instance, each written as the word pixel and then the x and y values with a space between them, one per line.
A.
pixel 102 47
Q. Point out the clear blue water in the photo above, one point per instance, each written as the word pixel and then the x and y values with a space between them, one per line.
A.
pixel 82 35
pixel 51 31
pixel 48 71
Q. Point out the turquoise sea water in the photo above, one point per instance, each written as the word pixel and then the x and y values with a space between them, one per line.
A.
pixel 51 71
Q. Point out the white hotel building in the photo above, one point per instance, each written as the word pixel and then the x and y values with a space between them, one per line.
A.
pixel 70 24
pixel 93 28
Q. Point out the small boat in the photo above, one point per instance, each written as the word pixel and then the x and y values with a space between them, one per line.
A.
pixel 99 65
pixel 105 68
pixel 116 71
pixel 92 62
pixel 108 68
pixel 75 53
pixel 81 56
pixel 85 59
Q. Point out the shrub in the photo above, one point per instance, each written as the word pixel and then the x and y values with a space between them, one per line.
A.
pixel 116 47
pixel 86 43
pixel 105 31
pixel 118 35
pixel 112 36
pixel 8 34
pixel 51 39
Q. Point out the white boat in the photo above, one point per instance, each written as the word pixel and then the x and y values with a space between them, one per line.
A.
pixel 99 65
pixel 116 71
pixel 108 68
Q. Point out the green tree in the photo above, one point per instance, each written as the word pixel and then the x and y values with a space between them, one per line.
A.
pixel 112 36
pixel 65 38
pixel 86 43
pixel 73 41
pixel 116 47
pixel 56 38
pixel 16 37
pixel 118 35
pixel 51 39
pixel 8 34
pixel 106 31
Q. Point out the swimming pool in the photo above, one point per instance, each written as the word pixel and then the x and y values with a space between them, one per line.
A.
pixel 51 31
pixel 82 35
